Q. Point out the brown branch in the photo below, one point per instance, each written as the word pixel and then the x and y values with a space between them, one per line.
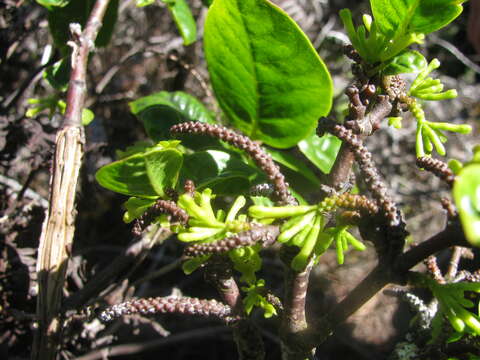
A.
pixel 246 335
pixel 340 172
pixel 59 225
pixel 294 323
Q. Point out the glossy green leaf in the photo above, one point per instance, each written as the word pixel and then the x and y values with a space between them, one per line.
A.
pixel 267 77
pixel 414 16
pixel 135 208
pixel 406 62
pixel 77 11
pixel 183 19
pixel 220 171
pixel 321 151
pixel 145 174
pixel 162 110
pixel 127 176
pixel 466 192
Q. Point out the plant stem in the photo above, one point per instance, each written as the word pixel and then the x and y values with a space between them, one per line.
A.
pixel 59 225
pixel 249 341
pixel 294 322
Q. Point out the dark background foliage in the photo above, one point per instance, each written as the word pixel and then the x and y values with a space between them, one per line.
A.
pixel 146 55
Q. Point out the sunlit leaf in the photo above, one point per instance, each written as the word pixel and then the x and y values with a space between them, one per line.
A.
pixel 268 78
pixel 321 151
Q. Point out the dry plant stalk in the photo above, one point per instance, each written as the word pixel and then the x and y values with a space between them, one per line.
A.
pixel 59 225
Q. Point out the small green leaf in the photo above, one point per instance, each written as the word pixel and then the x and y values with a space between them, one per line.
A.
pixel 183 19
pixel 321 151
pixel 162 110
pixel 224 173
pixel 142 3
pixel 414 16
pixel 50 4
pixel 466 192
pixel 127 176
pixel 145 174
pixel 407 62
pixel 268 78
pixel 163 168
pixel 135 208
pixel 87 116
pixel 58 74
pixel 191 265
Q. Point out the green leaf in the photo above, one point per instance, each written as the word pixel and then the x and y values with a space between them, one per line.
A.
pixel 163 168
pixel 414 16
pixel 50 4
pixel 162 110
pixel 144 175
pixel 191 265
pixel 466 192
pixel 142 3
pixel 135 208
pixel 77 11
pixel 267 77
pixel 407 62
pixel 183 19
pixel 321 151
pixel 58 74
pixel 87 116
pixel 224 173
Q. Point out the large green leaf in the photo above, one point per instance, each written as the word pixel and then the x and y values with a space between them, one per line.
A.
pixel 321 151
pixel 161 110
pixel 183 19
pixel 145 174
pixel 266 75
pixel 466 192
pixel 220 171
pixel 414 16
